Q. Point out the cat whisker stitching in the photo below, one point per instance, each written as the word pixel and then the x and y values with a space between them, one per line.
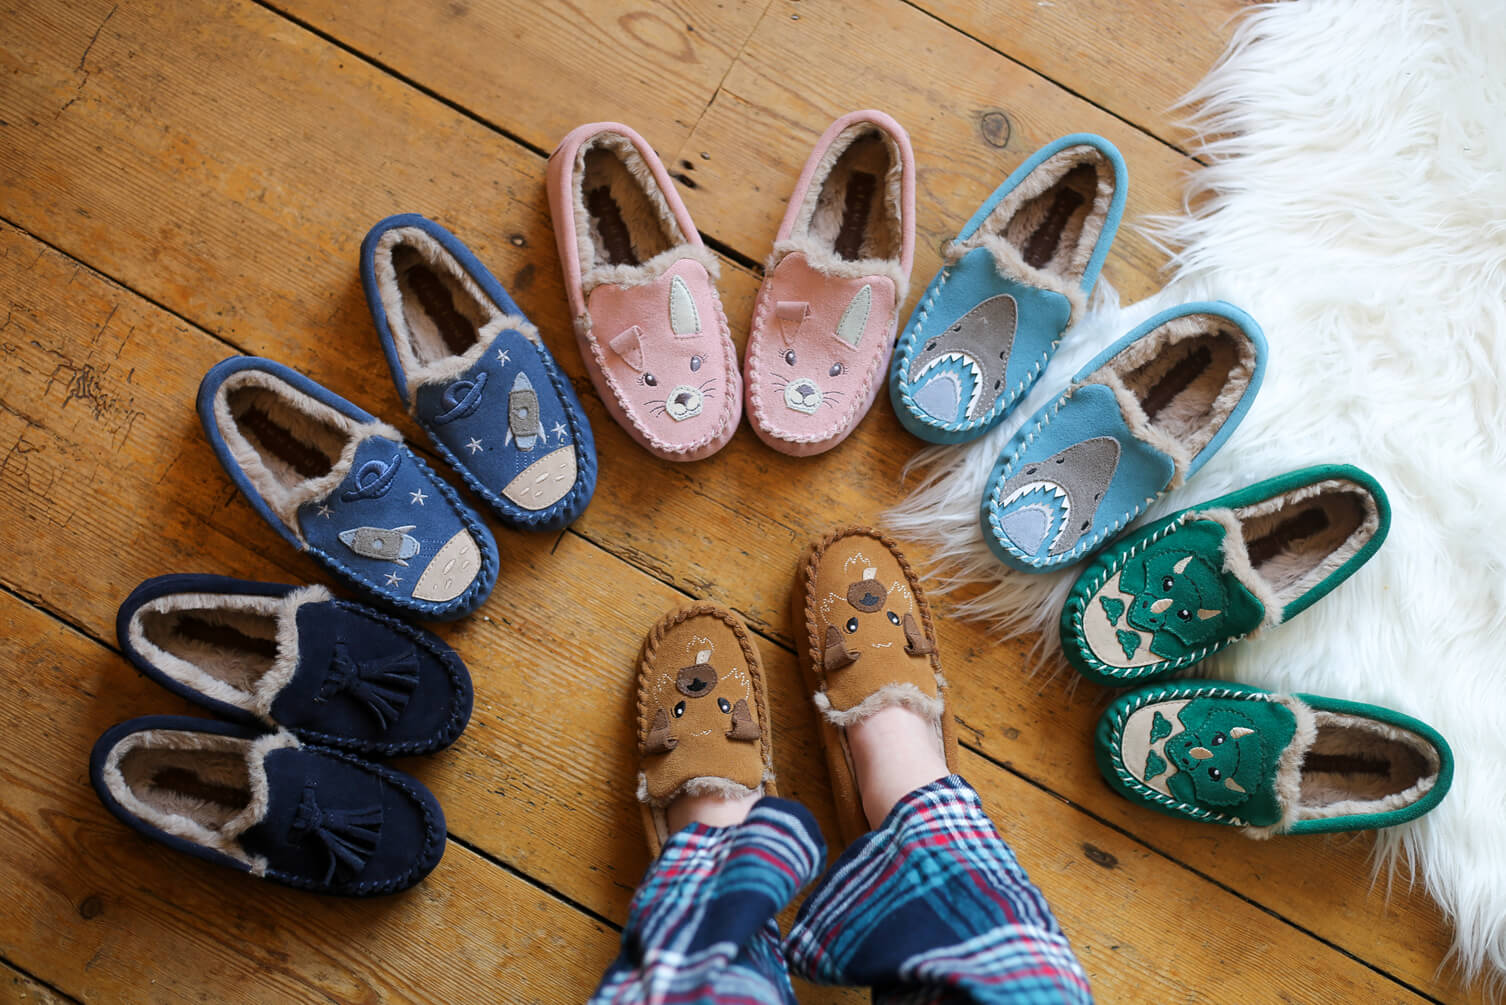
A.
pixel 706 384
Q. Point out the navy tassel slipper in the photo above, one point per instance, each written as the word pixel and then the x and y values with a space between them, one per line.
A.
pixel 332 672
pixel 304 816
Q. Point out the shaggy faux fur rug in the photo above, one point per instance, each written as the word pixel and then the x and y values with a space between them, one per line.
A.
pixel 1355 204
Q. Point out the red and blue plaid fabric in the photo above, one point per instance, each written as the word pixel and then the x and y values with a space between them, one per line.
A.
pixel 702 926
pixel 931 907
pixel 934 907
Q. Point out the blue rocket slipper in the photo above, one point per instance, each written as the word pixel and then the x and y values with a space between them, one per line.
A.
pixel 339 484
pixel 1015 278
pixel 474 373
pixel 263 803
pixel 1141 418
pixel 329 671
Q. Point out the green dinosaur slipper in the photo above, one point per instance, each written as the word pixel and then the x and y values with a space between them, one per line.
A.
pixel 1272 764
pixel 1185 587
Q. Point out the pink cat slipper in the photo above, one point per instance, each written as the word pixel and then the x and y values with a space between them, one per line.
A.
pixel 824 322
pixel 642 292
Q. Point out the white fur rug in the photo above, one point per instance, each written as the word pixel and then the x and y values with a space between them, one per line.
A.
pixel 1355 204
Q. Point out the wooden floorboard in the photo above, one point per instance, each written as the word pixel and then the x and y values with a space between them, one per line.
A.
pixel 222 161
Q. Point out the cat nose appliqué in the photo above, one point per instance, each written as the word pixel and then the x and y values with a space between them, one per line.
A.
pixel 684 402
pixel 802 395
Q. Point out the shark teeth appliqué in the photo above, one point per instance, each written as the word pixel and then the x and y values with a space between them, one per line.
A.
pixel 1035 516
pixel 965 374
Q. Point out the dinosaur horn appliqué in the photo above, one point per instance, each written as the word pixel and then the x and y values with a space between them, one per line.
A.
pixel 684 319
pixel 855 317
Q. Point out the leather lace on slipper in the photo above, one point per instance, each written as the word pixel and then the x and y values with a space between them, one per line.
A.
pixel 1184 587
pixel 1272 764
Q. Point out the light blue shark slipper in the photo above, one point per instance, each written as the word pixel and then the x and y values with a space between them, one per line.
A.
pixel 1141 418
pixel 1015 278
pixel 340 484
pixel 476 376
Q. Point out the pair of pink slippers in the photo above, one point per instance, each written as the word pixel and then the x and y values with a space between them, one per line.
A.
pixel 650 323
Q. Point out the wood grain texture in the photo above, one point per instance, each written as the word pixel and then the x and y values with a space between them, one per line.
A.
pixel 552 664
pixel 1134 60
pixel 105 914
pixel 18 989
pixel 225 162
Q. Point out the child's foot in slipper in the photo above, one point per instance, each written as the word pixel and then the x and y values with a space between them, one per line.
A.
pixel 894 752
pixel 868 649
pixel 703 723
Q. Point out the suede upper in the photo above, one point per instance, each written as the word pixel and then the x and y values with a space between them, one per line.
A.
pixel 304 816
pixel 1183 588
pixel 824 321
pixel 868 642
pixel 1017 275
pixel 1139 419
pixel 641 286
pixel 343 487
pixel 476 375
pixel 332 672
pixel 1238 755
pixel 702 712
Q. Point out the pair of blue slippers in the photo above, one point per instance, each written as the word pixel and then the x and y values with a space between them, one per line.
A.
pixel 310 687
pixel 1138 420
pixel 340 484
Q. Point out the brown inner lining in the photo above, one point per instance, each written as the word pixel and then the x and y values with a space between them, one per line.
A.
pixel 852 214
pixel 1349 761
pixel 236 646
pixel 627 228
pixel 1176 380
pixel 1048 227
pixel 224 636
pixel 1286 533
pixel 208 786
pixel 183 781
pixel 264 422
pixel 436 298
pixel 1291 548
pixel 857 206
pixel 615 239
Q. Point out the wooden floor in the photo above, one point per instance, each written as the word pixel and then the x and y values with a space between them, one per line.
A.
pixel 186 179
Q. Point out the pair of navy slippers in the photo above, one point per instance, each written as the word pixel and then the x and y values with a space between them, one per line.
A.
pixel 340 484
pixel 311 687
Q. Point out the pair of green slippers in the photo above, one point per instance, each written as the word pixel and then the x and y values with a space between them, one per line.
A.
pixel 1185 587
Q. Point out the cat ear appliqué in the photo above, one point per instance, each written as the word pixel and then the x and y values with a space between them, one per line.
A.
pixel 855 317
pixel 628 344
pixel 684 319
pixel 791 314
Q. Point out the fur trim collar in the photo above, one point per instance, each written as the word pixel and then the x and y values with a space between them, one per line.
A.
pixel 651 270
pixel 421 350
pixel 235 677
pixel 826 262
pixel 131 781
pixel 333 433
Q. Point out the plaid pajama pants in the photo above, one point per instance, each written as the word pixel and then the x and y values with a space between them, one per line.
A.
pixel 931 907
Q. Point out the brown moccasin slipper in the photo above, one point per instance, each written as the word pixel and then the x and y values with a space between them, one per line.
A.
pixel 868 643
pixel 703 714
